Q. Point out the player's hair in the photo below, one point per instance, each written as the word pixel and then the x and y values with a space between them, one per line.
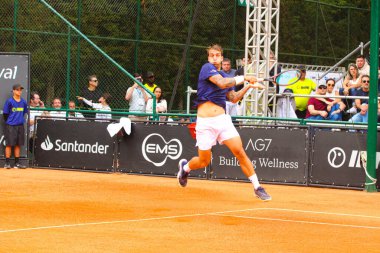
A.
pixel 215 47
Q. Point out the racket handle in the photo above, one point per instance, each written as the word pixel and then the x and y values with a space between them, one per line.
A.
pixel 260 79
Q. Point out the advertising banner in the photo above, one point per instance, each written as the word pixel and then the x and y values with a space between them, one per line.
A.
pixel 278 155
pixel 336 158
pixel 74 145
pixel 157 149
pixel 14 68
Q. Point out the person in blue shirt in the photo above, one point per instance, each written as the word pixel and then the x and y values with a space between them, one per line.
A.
pixel 14 111
pixel 213 124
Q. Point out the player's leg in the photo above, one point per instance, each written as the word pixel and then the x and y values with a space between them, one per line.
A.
pixel 197 162
pixel 236 146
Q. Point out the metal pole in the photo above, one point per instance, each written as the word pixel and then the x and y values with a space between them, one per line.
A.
pixel 15 14
pixel 79 14
pixel 370 186
pixel 137 35
pixel 68 67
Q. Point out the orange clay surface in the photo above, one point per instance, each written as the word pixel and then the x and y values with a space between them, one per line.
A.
pixel 66 211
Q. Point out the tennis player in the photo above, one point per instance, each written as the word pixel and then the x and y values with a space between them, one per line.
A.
pixel 213 124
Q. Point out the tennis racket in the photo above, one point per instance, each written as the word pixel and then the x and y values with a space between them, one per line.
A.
pixel 284 78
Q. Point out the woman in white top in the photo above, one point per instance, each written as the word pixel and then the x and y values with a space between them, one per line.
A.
pixel 352 79
pixel 161 105
pixel 101 106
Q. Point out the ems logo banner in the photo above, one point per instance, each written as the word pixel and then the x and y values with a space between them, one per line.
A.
pixel 156 149
pixel 77 148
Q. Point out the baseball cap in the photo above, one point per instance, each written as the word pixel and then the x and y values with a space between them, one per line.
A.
pixel 17 86
pixel 149 74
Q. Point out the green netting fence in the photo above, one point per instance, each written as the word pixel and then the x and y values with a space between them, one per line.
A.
pixel 151 35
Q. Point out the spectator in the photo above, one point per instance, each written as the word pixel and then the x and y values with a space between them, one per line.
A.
pixel 150 85
pixel 103 105
pixel 35 103
pixel 14 111
pixel 231 108
pixel 321 108
pixel 74 114
pixel 362 104
pixel 92 93
pixel 337 106
pixel 137 98
pixel 161 105
pixel 351 82
pixel 303 86
pixel 363 66
pixel 57 104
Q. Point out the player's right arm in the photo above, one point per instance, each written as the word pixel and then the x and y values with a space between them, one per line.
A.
pixel 228 82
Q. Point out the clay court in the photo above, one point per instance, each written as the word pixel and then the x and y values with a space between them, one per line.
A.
pixel 67 211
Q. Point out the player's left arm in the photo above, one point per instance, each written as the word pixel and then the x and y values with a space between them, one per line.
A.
pixel 234 96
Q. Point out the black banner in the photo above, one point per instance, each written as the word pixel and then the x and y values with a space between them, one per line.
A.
pixel 73 144
pixel 278 155
pixel 157 149
pixel 14 68
pixel 336 158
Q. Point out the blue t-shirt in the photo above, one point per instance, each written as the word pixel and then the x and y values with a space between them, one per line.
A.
pixel 362 93
pixel 207 91
pixel 16 111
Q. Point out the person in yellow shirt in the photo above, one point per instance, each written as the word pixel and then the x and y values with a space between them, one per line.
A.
pixel 150 85
pixel 303 86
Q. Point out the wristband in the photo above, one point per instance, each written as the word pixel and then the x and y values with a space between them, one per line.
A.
pixel 239 80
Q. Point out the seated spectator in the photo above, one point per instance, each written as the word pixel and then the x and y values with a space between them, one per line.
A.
pixel 351 82
pixel 320 108
pixel 161 105
pixel 337 106
pixel 57 104
pixel 74 114
pixel 362 104
pixel 137 98
pixel 103 105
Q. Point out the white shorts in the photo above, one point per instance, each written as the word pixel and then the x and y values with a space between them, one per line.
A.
pixel 212 129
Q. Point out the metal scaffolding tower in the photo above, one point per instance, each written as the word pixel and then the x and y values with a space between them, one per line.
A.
pixel 261 42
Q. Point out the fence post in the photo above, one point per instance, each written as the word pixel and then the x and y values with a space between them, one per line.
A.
pixel 68 67
pixel 15 14
pixel 137 34
pixel 77 72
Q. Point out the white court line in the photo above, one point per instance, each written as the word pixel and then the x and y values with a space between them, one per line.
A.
pixel 194 215
pixel 297 221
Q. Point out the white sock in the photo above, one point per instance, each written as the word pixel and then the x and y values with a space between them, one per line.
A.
pixel 186 167
pixel 255 181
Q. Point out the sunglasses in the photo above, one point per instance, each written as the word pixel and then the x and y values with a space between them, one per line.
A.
pixel 322 87
pixel 331 84
pixel 94 81
pixel 365 81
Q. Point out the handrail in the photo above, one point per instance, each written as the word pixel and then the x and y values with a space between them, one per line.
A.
pixel 360 47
